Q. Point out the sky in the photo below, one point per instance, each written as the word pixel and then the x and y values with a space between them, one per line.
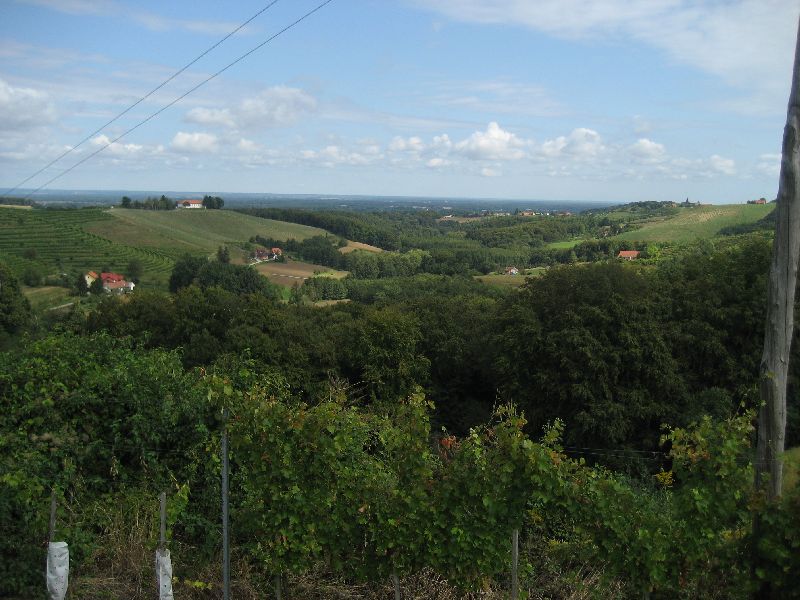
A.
pixel 607 100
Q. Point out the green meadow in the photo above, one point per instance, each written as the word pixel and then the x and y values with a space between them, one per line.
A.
pixel 697 222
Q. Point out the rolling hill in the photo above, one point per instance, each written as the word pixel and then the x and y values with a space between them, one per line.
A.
pixel 696 222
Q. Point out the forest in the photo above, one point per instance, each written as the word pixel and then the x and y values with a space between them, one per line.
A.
pixel 406 426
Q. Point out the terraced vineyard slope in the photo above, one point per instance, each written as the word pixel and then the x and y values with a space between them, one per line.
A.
pixel 61 241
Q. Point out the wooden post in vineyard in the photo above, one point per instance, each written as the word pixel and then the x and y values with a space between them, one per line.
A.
pixel 780 302
pixel 515 565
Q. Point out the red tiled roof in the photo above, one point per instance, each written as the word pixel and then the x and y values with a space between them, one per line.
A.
pixel 106 277
pixel 628 254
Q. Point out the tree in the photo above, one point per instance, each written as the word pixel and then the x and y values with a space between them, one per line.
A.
pixel 223 254
pixel 134 270
pixel 97 287
pixel 15 311
pixel 185 271
pixel 780 301
pixel 81 286
pixel 126 202
pixel 212 202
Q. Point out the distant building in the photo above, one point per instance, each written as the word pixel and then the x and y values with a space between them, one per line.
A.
pixel 527 213
pixel 190 204
pixel 512 271
pixel 111 277
pixel 119 287
pixel 628 254
pixel 759 201
pixel 112 282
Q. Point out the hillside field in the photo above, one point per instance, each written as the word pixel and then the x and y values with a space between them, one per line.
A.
pixel 698 222
pixel 55 242
pixel 289 273
pixel 194 231
pixel 52 242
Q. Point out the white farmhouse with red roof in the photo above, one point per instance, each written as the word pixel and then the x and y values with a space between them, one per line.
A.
pixel 190 204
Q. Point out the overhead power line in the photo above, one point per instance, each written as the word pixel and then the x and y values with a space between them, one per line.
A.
pixel 181 97
pixel 142 99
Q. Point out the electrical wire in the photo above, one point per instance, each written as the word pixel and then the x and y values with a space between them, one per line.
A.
pixel 182 96
pixel 142 99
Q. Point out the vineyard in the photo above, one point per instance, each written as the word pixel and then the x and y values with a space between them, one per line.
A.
pixel 55 242
pixel 354 493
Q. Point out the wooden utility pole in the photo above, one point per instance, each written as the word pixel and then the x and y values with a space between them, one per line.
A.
pixel 780 302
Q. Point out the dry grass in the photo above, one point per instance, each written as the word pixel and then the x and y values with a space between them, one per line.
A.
pixel 291 272
pixel 358 246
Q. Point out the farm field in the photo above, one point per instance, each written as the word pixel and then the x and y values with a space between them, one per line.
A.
pixel 194 231
pixel 511 281
pixel 288 273
pixel 52 242
pixel 358 246
pixel 42 298
pixel 564 245
pixel 695 223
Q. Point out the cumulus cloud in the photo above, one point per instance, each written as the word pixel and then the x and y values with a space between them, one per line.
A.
pixel 23 109
pixel 274 107
pixel 493 144
pixel 195 143
pixel 647 151
pixel 580 143
pixel 116 148
pixel 489 172
pixel 411 144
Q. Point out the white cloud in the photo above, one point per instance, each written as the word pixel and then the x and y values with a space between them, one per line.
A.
pixel 769 164
pixel 581 143
pixel 196 143
pixel 437 163
pixel 211 116
pixel 274 107
pixel 647 151
pixel 489 172
pixel 493 144
pixel 334 155
pixel 747 43
pixel 411 144
pixel 151 21
pixel 22 109
pixel 726 166
pixel 116 148
pixel 246 145
pixel 499 97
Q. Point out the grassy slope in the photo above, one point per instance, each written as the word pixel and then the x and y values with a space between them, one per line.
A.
pixel 46 296
pixel 695 223
pixel 289 273
pixel 512 281
pixel 193 231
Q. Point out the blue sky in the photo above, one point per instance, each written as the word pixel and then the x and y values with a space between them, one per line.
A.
pixel 613 100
